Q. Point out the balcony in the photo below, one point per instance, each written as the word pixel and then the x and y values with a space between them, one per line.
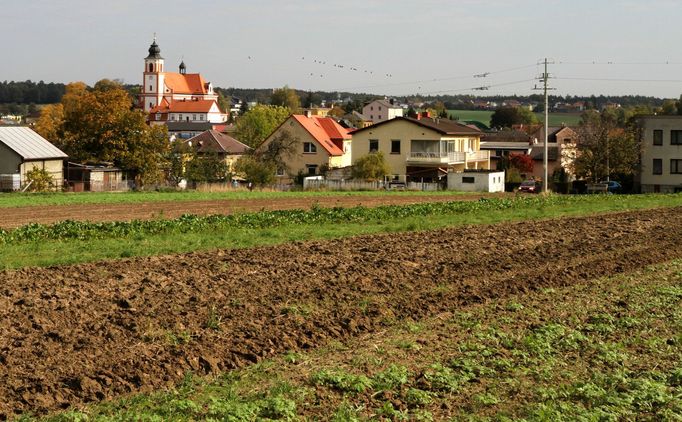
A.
pixel 446 158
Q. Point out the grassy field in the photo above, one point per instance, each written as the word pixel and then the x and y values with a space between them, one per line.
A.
pixel 74 244
pixel 483 116
pixel 605 350
pixel 8 200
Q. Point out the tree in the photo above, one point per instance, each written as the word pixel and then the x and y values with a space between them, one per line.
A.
pixel 509 116
pixel 39 180
pixel 371 167
pixel 286 97
pixel 99 124
pixel 258 123
pixel 605 148
pixel 210 167
pixel 337 112
pixel 261 164
pixel 522 162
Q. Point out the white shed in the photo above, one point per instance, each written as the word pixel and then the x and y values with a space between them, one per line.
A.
pixel 476 181
pixel 22 149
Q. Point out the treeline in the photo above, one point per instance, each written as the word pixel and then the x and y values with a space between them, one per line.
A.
pixel 29 92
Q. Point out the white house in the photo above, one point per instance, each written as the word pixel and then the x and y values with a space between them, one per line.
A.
pixel 381 110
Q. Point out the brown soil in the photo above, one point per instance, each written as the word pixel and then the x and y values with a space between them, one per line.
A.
pixel 19 216
pixel 82 333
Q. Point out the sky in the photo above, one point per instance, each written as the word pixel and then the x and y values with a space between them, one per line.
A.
pixel 399 47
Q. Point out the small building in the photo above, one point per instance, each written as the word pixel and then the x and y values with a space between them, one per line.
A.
pixel 22 150
pixel 661 140
pixel 476 181
pixel 101 177
pixel 381 110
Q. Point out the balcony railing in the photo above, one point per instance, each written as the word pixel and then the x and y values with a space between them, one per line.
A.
pixel 456 157
pixel 437 157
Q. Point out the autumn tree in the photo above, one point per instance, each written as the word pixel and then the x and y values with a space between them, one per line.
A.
pixel 286 97
pixel 371 167
pixel 208 167
pixel 99 124
pixel 259 122
pixel 522 162
pixel 605 148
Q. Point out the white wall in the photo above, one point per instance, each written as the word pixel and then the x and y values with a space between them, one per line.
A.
pixel 482 181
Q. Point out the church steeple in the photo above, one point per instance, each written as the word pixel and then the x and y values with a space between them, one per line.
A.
pixel 153 63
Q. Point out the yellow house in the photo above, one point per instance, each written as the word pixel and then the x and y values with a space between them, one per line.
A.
pixel 661 140
pixel 320 143
pixel 423 148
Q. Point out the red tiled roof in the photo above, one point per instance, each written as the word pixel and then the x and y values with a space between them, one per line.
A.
pixel 191 83
pixel 200 106
pixel 325 131
pixel 333 129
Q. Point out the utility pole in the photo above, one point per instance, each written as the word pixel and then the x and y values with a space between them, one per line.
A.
pixel 544 78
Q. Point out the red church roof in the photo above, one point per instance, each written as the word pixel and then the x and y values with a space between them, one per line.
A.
pixel 200 106
pixel 191 83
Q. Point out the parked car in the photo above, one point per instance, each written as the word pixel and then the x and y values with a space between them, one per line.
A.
pixel 530 186
pixel 613 186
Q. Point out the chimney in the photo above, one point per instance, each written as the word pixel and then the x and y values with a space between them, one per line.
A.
pixel 308 113
pixel 419 116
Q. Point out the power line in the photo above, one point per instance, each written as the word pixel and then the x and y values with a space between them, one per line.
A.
pixel 620 80
pixel 477 88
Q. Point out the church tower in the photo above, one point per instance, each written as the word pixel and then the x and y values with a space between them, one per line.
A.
pixel 153 83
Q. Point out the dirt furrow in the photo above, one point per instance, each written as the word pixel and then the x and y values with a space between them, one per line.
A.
pixel 82 333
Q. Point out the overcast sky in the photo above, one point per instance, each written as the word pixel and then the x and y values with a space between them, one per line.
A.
pixel 398 46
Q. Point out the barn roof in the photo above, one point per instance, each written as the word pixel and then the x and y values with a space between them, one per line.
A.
pixel 28 144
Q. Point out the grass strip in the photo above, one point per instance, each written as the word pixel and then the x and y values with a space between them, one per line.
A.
pixel 10 200
pixel 602 350
pixel 76 242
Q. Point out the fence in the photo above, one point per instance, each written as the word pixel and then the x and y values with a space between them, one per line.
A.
pixel 344 185
pixel 15 182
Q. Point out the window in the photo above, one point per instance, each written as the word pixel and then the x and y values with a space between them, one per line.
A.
pixel 312 169
pixel 658 137
pixel 658 166
pixel 395 146
pixel 468 179
pixel 151 67
pixel 675 166
pixel 371 108
pixel 150 104
pixel 309 148
pixel 158 116
pixel 280 172
pixel 194 116
pixel 151 88
pixel 373 145
pixel 379 108
pixel 676 137
pixel 371 117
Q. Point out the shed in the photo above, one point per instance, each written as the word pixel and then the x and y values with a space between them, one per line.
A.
pixel 476 181
pixel 22 149
pixel 101 177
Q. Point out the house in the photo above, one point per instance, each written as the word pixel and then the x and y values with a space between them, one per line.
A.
pixel 321 143
pixel 214 142
pixel 423 148
pixel 476 181
pixel 502 143
pixel 561 149
pixel 22 150
pixel 381 110
pixel 176 96
pixel 661 141
pixel 354 120
pixel 101 177
pixel 186 130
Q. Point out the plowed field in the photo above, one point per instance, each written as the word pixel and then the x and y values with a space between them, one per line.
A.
pixel 18 216
pixel 83 333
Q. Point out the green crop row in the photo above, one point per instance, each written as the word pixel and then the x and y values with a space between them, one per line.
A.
pixel 83 230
